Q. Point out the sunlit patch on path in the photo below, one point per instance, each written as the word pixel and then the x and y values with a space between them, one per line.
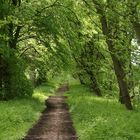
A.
pixel 55 122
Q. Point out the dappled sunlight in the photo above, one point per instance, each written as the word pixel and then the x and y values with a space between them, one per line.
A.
pixel 103 99
pixel 41 93
pixel 39 96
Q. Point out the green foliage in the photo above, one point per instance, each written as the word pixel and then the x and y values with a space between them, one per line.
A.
pixel 95 41
pixel 16 83
pixel 90 38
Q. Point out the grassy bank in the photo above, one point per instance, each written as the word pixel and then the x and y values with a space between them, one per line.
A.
pixel 17 116
pixel 101 119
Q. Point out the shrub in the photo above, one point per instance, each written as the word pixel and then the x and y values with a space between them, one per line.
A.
pixel 15 83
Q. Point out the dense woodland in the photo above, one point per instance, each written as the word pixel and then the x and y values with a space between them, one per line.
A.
pixel 94 41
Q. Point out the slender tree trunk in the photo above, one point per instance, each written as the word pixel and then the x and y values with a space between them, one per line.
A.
pixel 81 79
pixel 94 82
pixel 1 71
pixel 96 86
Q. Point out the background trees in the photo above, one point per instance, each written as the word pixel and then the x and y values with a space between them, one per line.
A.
pixel 97 41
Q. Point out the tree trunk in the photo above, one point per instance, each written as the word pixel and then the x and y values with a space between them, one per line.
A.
pixel 121 100
pixel 95 85
pixel 136 26
pixel 81 79
pixel 118 66
pixel 124 93
pixel 7 82
pixel 119 71
pixel 1 75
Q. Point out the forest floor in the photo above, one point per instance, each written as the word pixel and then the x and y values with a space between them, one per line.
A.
pixel 55 122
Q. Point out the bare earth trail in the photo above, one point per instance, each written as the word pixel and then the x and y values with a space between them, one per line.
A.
pixel 55 122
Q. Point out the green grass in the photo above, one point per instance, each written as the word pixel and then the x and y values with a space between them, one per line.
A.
pixel 94 118
pixel 17 116
pixel 101 119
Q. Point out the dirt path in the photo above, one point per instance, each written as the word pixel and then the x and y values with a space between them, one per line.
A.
pixel 55 122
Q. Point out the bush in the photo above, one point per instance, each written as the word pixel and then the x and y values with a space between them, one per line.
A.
pixel 15 83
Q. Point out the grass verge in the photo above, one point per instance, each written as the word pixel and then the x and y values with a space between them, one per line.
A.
pixel 101 119
pixel 17 116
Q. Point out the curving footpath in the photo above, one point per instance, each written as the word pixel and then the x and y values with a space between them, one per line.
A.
pixel 55 122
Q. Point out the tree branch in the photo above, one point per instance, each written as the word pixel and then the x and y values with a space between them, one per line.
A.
pixel 31 47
